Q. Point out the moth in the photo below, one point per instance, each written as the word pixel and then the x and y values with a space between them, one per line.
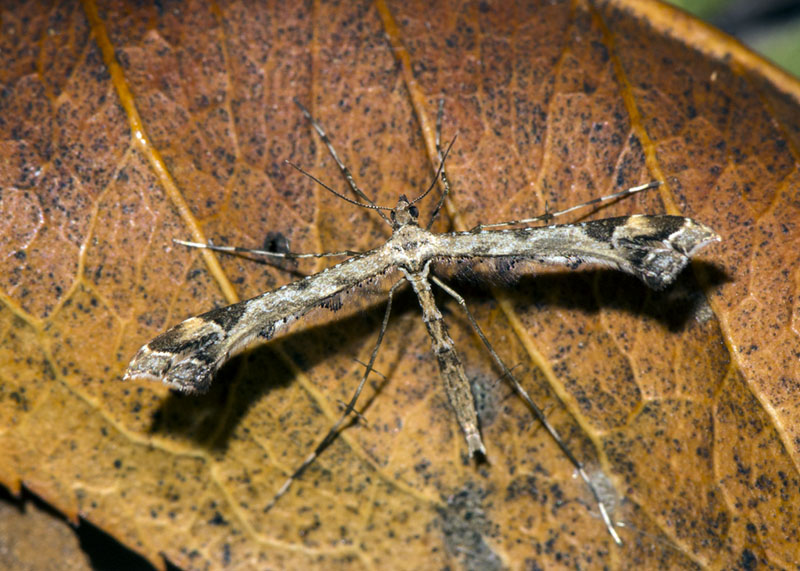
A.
pixel 654 248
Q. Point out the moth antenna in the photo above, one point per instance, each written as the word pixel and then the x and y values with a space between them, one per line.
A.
pixel 438 172
pixel 371 205
pixel 342 167
pixel 445 181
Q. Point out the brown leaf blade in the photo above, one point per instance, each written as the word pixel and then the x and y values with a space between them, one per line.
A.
pixel 681 403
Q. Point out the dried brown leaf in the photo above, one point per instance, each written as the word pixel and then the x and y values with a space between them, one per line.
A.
pixel 122 127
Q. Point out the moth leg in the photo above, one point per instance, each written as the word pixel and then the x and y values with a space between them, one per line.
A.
pixel 445 181
pixel 361 418
pixel 265 253
pixel 345 171
pixel 538 412
pixel 349 408
pixel 548 216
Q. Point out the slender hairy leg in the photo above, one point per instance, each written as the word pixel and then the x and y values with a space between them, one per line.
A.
pixel 538 412
pixel 548 216
pixel 348 409
pixel 265 253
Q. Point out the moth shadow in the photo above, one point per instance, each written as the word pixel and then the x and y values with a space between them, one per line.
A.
pixel 676 306
pixel 592 290
pixel 211 419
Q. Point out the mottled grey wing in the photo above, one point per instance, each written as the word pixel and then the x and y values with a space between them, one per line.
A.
pixel 186 356
pixel 653 248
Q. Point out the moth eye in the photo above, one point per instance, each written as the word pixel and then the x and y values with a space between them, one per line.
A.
pixel 414 211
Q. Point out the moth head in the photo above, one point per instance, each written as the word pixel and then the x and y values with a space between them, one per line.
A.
pixel 404 213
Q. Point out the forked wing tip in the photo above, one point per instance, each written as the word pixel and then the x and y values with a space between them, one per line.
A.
pixel 186 375
pixel 666 256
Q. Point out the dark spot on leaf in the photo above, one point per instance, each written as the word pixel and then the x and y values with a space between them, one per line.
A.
pixel 217 520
